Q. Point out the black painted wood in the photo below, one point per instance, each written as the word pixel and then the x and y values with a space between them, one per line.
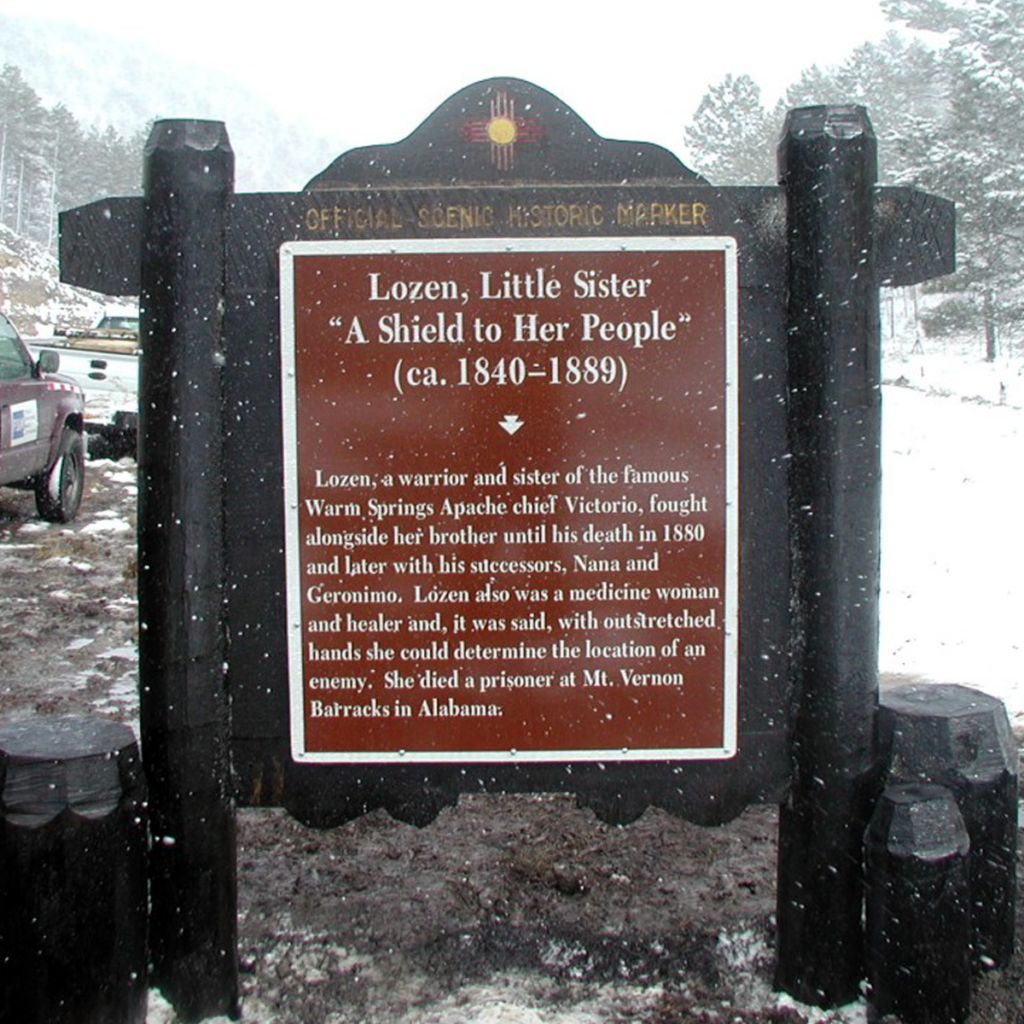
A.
pixel 101 245
pixel 73 839
pixel 918 906
pixel 710 792
pixel 914 236
pixel 960 738
pixel 827 165
pixel 554 144
pixel 184 702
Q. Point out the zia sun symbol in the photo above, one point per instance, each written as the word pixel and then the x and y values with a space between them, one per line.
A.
pixel 503 131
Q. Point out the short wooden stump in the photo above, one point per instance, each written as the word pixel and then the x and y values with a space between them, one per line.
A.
pixel 918 916
pixel 73 851
pixel 960 738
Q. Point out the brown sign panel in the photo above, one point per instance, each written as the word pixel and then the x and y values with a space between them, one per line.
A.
pixel 511 499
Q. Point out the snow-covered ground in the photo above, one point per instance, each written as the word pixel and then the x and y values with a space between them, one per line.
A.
pixel 952 598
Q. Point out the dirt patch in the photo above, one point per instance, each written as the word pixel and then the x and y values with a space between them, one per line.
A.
pixel 500 885
pixel 68 615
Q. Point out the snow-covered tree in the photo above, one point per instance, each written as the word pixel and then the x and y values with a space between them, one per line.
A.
pixel 733 136
pixel 731 139
pixel 949 118
pixel 977 155
pixel 22 164
pixel 48 163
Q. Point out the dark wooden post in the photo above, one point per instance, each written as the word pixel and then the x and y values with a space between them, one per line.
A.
pixel 72 873
pixel 189 174
pixel 827 166
pixel 960 738
pixel 918 909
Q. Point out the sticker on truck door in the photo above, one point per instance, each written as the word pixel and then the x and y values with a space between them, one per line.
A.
pixel 24 422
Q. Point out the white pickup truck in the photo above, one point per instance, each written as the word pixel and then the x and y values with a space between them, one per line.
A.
pixel 104 360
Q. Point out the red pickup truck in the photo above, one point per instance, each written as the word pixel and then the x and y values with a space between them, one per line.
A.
pixel 41 419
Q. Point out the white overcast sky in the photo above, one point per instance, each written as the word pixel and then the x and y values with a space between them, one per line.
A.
pixel 635 69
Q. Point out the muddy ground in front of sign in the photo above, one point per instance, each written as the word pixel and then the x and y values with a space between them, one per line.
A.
pixel 506 908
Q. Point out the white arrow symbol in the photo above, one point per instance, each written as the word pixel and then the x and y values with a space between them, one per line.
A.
pixel 511 423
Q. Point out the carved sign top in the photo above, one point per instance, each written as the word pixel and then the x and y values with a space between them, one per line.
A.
pixel 503 131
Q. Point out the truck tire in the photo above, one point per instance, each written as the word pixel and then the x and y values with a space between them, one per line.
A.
pixel 59 488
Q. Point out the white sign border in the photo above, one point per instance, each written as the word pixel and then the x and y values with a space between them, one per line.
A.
pixel 714 243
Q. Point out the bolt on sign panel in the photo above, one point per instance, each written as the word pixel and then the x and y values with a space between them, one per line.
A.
pixel 511 499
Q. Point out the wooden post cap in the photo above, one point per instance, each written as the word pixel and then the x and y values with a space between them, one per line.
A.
pixel 938 731
pixel 73 878
pixel 80 764
pixel 918 820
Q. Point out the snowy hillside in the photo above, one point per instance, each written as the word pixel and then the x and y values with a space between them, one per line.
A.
pixel 31 294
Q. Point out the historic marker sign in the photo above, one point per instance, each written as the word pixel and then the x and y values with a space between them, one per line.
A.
pixel 511 498
pixel 526 477
pixel 518 455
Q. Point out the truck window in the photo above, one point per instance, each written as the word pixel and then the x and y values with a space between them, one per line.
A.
pixel 14 364
pixel 118 323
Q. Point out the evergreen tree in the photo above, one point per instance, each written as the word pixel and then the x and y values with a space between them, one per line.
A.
pixel 949 119
pixel 976 158
pixel 732 138
pixel 48 163
pixel 22 146
pixel 69 153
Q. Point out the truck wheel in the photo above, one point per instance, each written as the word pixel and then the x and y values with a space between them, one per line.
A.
pixel 59 489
